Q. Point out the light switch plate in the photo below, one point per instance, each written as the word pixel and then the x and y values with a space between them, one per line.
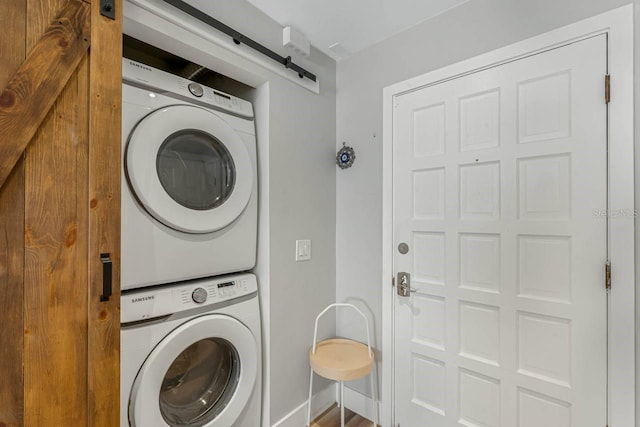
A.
pixel 303 250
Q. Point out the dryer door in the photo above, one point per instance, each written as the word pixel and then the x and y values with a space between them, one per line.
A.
pixel 189 169
pixel 200 375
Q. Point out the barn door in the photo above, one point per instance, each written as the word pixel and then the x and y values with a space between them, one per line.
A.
pixel 500 195
pixel 59 211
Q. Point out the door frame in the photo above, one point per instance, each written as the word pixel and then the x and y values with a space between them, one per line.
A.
pixel 617 24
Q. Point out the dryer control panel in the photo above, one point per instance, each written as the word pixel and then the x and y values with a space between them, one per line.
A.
pixel 161 301
pixel 142 75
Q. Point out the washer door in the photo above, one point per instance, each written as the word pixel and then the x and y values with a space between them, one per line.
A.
pixel 189 169
pixel 200 375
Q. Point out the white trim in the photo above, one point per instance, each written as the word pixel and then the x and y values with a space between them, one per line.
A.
pixel 263 256
pixel 618 25
pixel 387 386
pixel 359 403
pixel 173 21
pixel 321 402
pixel 621 229
pixel 153 29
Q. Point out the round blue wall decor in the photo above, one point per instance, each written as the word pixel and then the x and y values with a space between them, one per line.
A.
pixel 345 157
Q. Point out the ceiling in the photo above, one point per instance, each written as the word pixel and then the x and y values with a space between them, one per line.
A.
pixel 340 28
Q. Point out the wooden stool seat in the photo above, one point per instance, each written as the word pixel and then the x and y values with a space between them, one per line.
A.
pixel 341 359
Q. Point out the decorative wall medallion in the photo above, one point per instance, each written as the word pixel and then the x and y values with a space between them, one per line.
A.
pixel 345 157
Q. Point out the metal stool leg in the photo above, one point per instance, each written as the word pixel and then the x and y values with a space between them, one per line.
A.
pixel 342 403
pixel 310 391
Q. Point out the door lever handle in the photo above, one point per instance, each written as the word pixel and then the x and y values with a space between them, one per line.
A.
pixel 404 284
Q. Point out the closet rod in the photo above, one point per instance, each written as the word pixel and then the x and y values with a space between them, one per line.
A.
pixel 240 38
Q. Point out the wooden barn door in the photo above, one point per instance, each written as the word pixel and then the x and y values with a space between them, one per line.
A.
pixel 60 100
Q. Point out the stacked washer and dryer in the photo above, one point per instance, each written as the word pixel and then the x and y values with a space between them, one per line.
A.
pixel 191 332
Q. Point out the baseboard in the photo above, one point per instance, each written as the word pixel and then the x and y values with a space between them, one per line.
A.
pixel 360 404
pixel 321 401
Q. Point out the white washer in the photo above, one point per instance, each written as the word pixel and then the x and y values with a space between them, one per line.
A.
pixel 191 354
pixel 189 187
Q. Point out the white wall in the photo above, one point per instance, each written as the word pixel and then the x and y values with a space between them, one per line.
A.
pixel 296 136
pixel 476 27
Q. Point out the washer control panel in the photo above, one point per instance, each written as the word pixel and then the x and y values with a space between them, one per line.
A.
pixel 165 300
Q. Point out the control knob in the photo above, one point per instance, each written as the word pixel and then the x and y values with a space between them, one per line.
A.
pixel 199 295
pixel 196 89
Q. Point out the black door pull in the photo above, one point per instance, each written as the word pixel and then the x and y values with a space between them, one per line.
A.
pixel 106 277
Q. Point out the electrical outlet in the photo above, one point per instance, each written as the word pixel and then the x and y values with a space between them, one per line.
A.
pixel 303 250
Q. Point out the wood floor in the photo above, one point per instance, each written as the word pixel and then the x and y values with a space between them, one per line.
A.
pixel 331 418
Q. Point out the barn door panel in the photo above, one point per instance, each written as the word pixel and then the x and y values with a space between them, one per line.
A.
pixel 59 212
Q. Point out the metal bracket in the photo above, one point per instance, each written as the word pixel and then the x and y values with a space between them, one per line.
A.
pixel 108 9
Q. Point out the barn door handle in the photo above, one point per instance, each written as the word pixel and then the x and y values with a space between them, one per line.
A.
pixel 106 276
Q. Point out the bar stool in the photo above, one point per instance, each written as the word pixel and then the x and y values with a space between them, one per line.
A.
pixel 341 360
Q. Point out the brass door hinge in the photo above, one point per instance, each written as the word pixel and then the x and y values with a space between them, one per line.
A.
pixel 607 275
pixel 607 89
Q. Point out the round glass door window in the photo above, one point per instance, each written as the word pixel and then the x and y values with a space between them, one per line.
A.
pixel 195 169
pixel 189 169
pixel 199 383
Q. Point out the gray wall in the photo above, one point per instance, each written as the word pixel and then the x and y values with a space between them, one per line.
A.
pixel 476 27
pixel 302 198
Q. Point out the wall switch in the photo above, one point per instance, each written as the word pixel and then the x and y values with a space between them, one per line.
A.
pixel 303 250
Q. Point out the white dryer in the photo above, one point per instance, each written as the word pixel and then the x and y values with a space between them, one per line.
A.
pixel 191 354
pixel 189 187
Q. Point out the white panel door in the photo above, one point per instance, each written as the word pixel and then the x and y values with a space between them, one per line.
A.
pixel 500 193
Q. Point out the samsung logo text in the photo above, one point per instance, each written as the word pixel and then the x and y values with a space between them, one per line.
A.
pixel 141 299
